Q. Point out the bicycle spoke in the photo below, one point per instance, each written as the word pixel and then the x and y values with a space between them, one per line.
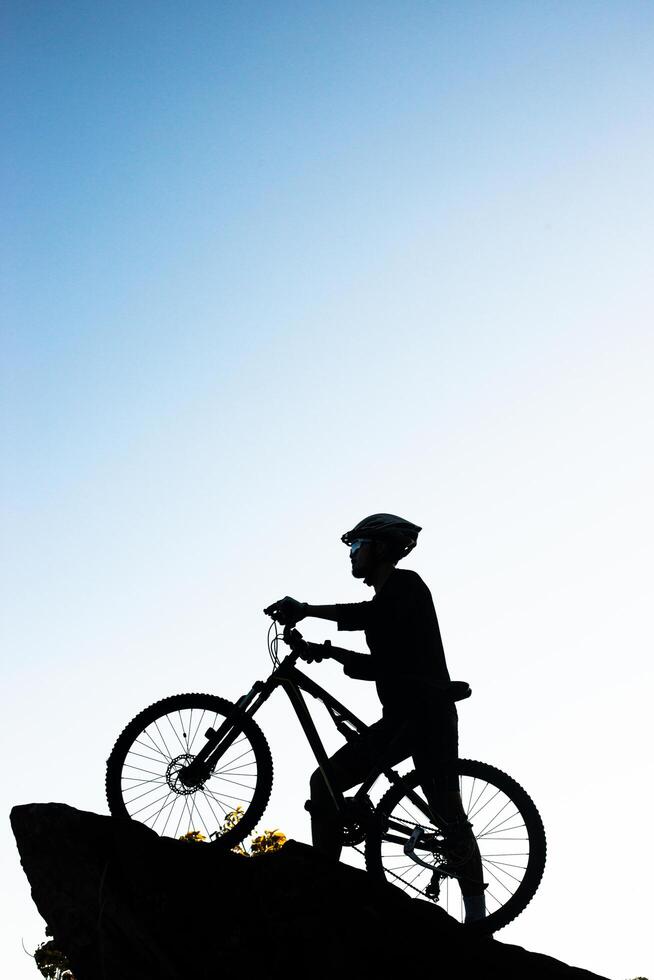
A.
pixel 189 808
pixel 142 782
pixel 176 733
pixel 155 816
pixel 495 816
pixel 167 819
pixel 489 894
pixel 512 854
pixel 149 779
pixel 408 883
pixel 166 754
pixel 136 813
pixel 138 769
pixel 400 879
pixel 499 834
pixel 179 822
pixel 213 812
pixel 499 881
pixel 234 782
pixel 150 747
pixel 471 792
pixel 203 822
pixel 496 865
pixel 235 770
pixel 501 823
pixel 471 816
pixel 153 789
pixel 495 830
pixel 215 794
pixel 503 840
pixel 189 728
pixel 200 720
pixel 230 761
pixel 148 758
pixel 165 744
pixel 477 799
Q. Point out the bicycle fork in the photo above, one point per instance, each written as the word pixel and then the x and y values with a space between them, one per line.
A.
pixel 220 739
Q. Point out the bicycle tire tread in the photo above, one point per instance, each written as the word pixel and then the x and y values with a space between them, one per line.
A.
pixel 173 702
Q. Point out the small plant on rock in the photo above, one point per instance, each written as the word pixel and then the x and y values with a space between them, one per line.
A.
pixel 265 843
pixel 51 962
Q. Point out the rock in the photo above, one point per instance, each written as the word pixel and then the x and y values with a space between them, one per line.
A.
pixel 125 903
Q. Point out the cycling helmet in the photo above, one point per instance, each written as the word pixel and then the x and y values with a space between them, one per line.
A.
pixel 401 535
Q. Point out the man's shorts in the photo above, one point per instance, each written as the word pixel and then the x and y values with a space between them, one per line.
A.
pixel 429 735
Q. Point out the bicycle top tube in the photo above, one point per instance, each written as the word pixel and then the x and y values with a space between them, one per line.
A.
pixel 288 672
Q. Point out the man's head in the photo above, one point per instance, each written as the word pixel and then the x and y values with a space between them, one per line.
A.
pixel 378 542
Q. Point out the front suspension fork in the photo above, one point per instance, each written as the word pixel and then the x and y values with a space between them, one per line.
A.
pixel 220 739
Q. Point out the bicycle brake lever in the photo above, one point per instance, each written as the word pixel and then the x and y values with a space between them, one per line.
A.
pixel 300 646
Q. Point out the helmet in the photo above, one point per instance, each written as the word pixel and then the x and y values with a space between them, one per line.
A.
pixel 400 534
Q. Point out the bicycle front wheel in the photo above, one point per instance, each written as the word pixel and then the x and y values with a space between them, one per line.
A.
pixel 143 772
pixel 506 824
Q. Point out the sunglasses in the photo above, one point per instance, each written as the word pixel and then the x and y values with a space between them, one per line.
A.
pixel 358 543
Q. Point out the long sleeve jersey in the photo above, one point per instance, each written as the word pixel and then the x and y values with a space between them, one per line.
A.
pixel 406 651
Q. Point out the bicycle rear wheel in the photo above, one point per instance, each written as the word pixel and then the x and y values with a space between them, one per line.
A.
pixel 144 766
pixel 506 824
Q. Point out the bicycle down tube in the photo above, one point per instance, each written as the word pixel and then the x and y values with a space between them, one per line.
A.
pixel 293 681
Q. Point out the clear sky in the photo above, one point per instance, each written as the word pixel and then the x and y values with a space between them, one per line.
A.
pixel 268 267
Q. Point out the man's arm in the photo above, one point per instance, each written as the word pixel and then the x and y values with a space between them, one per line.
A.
pixel 357 665
pixel 348 615
pixel 321 612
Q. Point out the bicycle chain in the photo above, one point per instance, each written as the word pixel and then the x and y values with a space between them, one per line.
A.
pixel 387 871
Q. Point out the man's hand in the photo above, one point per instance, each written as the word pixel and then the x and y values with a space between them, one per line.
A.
pixel 287 611
pixel 314 652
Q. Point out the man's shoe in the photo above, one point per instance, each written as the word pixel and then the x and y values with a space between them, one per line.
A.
pixel 475 906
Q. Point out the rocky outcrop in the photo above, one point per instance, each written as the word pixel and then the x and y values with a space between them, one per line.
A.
pixel 123 902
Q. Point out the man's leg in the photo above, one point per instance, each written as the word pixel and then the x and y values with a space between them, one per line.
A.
pixel 435 754
pixel 350 765
pixel 448 806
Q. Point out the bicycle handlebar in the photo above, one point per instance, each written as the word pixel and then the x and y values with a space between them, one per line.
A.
pixel 299 646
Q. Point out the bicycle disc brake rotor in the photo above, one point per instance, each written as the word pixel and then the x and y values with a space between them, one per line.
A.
pixel 175 767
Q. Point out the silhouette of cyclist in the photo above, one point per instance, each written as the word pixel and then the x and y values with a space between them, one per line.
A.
pixel 407 663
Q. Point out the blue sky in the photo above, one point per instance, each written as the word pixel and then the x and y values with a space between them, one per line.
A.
pixel 270 267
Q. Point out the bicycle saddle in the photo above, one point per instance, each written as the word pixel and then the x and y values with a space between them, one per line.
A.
pixel 449 690
pixel 456 690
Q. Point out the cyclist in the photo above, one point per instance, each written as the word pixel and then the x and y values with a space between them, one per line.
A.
pixel 407 663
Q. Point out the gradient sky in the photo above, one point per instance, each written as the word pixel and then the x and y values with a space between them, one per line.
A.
pixel 268 267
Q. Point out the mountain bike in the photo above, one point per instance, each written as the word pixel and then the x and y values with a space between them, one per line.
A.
pixel 198 765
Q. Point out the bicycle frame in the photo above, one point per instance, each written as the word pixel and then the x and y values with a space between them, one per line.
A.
pixel 294 682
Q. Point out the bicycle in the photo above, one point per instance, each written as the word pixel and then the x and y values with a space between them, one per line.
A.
pixel 171 772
